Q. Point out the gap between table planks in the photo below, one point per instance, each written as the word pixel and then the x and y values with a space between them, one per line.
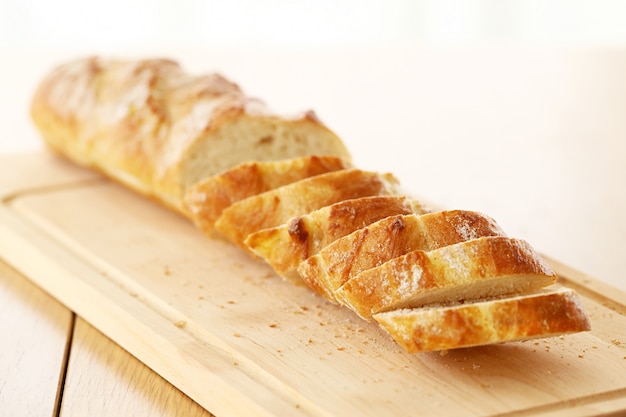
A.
pixel 236 339
pixel 104 380
pixel 54 365
pixel 36 332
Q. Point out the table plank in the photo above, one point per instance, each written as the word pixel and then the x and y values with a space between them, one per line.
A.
pixel 105 380
pixel 35 331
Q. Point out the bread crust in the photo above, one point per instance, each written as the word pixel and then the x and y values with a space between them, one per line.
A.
pixel 158 130
pixel 491 266
pixel 206 200
pixel 275 207
pixel 387 239
pixel 545 314
pixel 284 247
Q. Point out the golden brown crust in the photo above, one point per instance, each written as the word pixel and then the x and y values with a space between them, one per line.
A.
pixel 479 268
pixel 284 247
pixel 206 200
pixel 275 207
pixel 546 314
pixel 387 239
pixel 158 130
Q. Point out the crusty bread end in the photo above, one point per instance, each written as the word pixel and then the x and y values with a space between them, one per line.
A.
pixel 159 130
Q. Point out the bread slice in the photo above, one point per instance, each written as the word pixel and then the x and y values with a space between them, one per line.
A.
pixel 159 130
pixel 387 239
pixel 206 200
pixel 548 313
pixel 284 247
pixel 275 207
pixel 486 267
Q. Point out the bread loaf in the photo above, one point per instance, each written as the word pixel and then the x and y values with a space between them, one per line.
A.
pixel 284 247
pixel 160 130
pixel 549 313
pixel 486 267
pixel 387 239
pixel 275 207
pixel 207 199
pixel 284 189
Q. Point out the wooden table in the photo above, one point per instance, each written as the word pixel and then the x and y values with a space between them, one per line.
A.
pixel 54 362
pixel 53 355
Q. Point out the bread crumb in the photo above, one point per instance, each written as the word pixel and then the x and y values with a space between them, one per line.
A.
pixel 180 324
pixel 341 348
pixel 236 335
pixel 581 356
pixel 273 325
pixel 616 342
pixel 166 270
pixel 201 297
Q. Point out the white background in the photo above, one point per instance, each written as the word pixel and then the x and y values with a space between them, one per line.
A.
pixel 112 24
pixel 54 31
pixel 429 90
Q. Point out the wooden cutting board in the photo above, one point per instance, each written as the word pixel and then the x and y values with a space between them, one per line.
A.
pixel 240 341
